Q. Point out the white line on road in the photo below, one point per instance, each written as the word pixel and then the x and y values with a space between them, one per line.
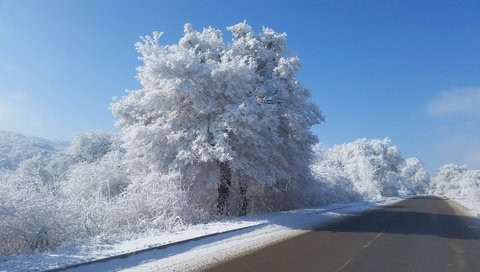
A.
pixel 374 238
pixel 344 265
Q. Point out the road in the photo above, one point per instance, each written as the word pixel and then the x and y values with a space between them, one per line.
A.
pixel 420 234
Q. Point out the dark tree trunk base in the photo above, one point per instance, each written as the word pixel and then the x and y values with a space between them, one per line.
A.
pixel 243 195
pixel 224 188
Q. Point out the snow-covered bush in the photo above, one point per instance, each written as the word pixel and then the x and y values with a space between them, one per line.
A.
pixel 93 190
pixel 32 217
pixel 335 186
pixel 105 178
pixel 65 197
pixel 375 168
pixel 457 182
pixel 222 118
pixel 331 183
pixel 91 146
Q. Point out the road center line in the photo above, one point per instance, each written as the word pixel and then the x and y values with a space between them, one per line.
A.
pixel 344 265
pixel 374 238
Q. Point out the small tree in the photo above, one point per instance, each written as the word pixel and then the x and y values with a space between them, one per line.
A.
pixel 220 115
pixel 414 170
pixel 90 146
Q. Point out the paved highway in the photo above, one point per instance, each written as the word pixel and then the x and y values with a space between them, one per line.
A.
pixel 420 234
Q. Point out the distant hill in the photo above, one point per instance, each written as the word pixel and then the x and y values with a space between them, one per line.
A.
pixel 15 148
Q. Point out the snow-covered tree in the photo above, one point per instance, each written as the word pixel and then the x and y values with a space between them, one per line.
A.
pixel 219 116
pixel 85 148
pixel 414 171
pixel 90 146
pixel 375 167
pixel 457 181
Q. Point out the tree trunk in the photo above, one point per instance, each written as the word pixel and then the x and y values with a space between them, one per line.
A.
pixel 224 187
pixel 243 196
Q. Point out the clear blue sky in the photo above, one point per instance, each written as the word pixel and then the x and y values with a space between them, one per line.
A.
pixel 407 70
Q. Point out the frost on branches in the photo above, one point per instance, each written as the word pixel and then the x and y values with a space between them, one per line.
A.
pixel 457 182
pixel 374 168
pixel 416 174
pixel 226 124
pixel 67 197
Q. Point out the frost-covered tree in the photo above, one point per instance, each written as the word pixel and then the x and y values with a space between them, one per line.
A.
pixel 375 167
pixel 457 181
pixel 333 183
pixel 218 116
pixel 90 146
pixel 414 171
pixel 85 148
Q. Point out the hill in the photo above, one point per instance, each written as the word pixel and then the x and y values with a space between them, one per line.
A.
pixel 15 148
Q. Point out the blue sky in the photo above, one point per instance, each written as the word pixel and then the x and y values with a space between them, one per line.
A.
pixel 407 70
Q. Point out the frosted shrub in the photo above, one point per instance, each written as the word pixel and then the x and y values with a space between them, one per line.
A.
pixel 32 216
pixel 334 186
pixel 69 197
pixel 91 146
pixel 457 181
pixel 161 203
pixel 103 179
pixel 93 190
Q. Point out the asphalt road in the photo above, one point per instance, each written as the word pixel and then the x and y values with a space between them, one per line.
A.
pixel 420 234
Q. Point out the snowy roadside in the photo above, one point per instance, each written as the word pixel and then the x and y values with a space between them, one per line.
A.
pixel 469 205
pixel 194 247
pixel 67 256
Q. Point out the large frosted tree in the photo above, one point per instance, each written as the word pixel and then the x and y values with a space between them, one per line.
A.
pixel 219 115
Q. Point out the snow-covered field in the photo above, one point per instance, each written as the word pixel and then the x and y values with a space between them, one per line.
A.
pixel 195 246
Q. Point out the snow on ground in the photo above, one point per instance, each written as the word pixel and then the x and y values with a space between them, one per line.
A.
pixel 471 206
pixel 71 255
pixel 234 236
